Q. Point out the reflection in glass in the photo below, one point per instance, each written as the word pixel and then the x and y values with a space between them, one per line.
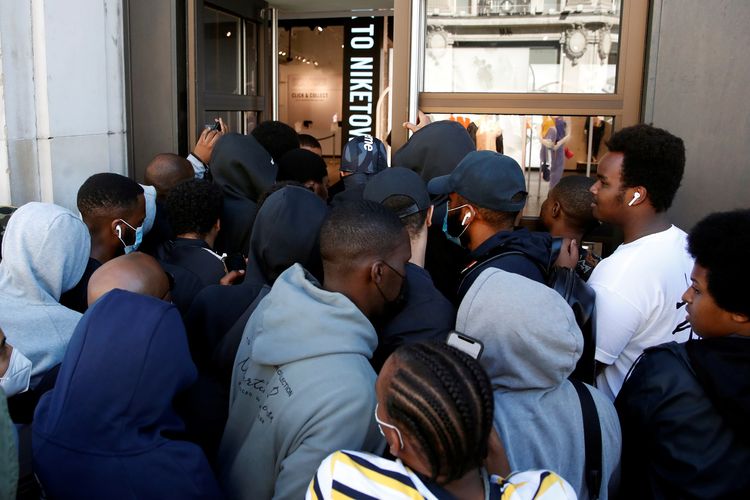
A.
pixel 222 49
pixel 546 147
pixel 555 46
pixel 250 121
pixel 251 59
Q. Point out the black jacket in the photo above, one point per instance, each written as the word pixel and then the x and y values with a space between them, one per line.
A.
pixel 684 414
pixel 77 298
pixel 244 170
pixel 427 315
pixel 285 232
pixel 195 256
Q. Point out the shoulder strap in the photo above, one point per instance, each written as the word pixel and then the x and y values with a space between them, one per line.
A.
pixel 592 436
pixel 492 256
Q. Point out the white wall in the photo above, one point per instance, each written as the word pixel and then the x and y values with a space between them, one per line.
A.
pixel 698 87
pixel 326 78
pixel 62 105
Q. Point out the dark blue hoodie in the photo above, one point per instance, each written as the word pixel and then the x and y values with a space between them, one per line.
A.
pixel 528 254
pixel 104 430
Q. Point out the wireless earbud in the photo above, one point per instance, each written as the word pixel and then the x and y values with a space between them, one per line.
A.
pixel 119 231
pixel 636 196
pixel 466 218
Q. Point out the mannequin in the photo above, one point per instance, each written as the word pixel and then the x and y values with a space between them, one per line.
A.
pixel 555 142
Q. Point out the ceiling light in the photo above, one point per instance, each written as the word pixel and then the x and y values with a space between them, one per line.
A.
pixel 229 33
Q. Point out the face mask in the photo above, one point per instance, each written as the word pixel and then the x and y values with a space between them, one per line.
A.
pixel 138 238
pixel 394 306
pixel 16 379
pixel 451 226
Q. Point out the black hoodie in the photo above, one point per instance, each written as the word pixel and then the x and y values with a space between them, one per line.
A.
pixel 285 232
pixel 684 413
pixel 244 170
pixel 432 151
pixel 435 149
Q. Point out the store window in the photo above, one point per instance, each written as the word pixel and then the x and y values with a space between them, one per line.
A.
pixel 546 147
pixel 521 46
pixel 509 64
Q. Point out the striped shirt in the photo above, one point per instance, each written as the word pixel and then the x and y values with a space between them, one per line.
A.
pixel 350 474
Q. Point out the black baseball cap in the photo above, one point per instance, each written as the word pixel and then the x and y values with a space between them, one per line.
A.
pixel 364 154
pixel 488 179
pixel 399 181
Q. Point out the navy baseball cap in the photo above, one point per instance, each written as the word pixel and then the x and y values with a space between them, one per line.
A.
pixel 364 154
pixel 399 181
pixel 488 179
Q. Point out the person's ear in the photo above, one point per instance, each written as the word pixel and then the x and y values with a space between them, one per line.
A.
pixel 556 210
pixel 394 445
pixel 117 229
pixel 376 272
pixel 637 195
pixel 310 185
pixel 468 216
pixel 740 318
pixel 430 210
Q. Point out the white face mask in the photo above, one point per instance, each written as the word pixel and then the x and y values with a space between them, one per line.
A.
pixel 17 377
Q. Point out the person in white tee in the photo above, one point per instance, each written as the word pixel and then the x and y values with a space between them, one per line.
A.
pixel 639 287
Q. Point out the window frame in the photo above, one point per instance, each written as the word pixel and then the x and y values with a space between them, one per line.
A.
pixel 624 105
pixel 200 101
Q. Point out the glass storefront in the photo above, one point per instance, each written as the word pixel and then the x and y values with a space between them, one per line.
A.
pixel 547 147
pixel 521 46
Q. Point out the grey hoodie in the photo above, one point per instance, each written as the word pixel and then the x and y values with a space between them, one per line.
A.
pixel 45 251
pixel 531 346
pixel 302 388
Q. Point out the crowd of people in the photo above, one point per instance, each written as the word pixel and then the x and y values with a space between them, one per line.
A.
pixel 240 327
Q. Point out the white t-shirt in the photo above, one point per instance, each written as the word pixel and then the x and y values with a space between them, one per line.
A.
pixel 638 289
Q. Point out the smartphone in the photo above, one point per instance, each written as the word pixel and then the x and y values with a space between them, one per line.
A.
pixel 214 126
pixel 463 342
pixel 235 262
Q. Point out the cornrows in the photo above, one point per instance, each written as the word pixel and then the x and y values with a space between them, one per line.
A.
pixel 442 398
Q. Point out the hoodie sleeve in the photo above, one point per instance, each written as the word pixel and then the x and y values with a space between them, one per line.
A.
pixel 344 421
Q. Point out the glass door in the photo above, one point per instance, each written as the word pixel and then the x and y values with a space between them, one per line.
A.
pixel 229 65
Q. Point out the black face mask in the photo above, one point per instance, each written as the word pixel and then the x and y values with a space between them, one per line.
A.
pixel 394 306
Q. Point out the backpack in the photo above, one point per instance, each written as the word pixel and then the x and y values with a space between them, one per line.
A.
pixel 576 292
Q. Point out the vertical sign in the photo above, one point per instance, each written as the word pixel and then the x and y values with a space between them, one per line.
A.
pixel 363 38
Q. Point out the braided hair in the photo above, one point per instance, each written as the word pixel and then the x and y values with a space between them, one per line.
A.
pixel 443 399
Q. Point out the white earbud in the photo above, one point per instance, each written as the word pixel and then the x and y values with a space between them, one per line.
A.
pixel 119 231
pixel 466 218
pixel 636 196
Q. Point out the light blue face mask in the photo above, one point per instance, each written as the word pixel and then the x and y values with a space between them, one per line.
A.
pixel 452 238
pixel 138 237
